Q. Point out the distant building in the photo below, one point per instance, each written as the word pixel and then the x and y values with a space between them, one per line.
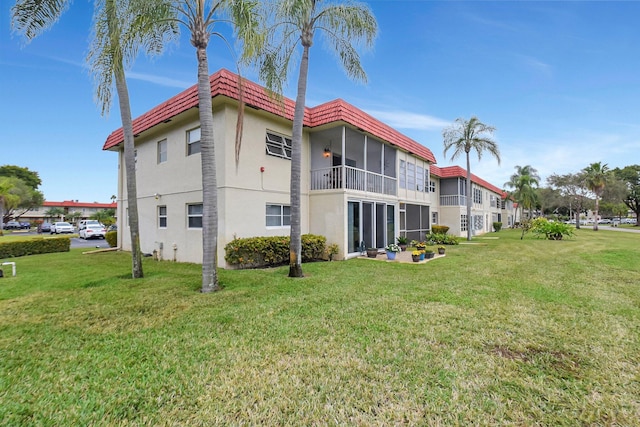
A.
pixel 85 209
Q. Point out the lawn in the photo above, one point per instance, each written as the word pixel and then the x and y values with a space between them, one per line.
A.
pixel 499 332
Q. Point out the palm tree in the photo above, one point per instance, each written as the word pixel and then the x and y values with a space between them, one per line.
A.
pixel 465 136
pixel 596 175
pixel 200 17
pixel 524 182
pixel 119 34
pixel 54 213
pixel 296 21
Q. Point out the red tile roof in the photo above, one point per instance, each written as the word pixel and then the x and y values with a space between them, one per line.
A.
pixel 458 172
pixel 76 204
pixel 225 83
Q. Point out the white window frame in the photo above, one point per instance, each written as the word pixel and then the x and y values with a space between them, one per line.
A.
pixel 194 216
pixel 162 216
pixel 193 145
pixel 278 145
pixel 463 222
pixel 162 151
pixel 284 219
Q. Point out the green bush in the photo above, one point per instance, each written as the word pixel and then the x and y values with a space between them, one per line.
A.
pixel 34 246
pixel 259 252
pixel 550 230
pixel 497 226
pixel 442 239
pixel 112 238
pixel 439 229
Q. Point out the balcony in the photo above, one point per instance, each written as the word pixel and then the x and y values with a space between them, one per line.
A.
pixel 453 200
pixel 356 179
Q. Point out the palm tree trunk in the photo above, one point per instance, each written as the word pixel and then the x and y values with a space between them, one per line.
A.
pixel 130 167
pixel 295 245
pixel 595 220
pixel 209 179
pixel 469 199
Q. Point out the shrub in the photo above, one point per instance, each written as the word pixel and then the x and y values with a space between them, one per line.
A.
pixel 258 252
pixel 497 226
pixel 442 239
pixel 34 246
pixel 550 230
pixel 112 238
pixel 439 229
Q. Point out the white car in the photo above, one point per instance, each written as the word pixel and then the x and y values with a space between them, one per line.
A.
pixel 61 227
pixel 92 231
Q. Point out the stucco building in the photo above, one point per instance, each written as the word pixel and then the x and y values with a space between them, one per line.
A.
pixel 362 181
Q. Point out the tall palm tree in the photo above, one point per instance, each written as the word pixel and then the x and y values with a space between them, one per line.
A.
pixel 201 17
pixel 465 136
pixel 119 34
pixel 596 175
pixel 296 21
pixel 524 182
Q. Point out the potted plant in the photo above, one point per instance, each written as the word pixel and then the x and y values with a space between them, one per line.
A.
pixel 441 250
pixel 402 242
pixel 332 250
pixel 420 246
pixel 428 254
pixel 415 256
pixel 392 249
pixel 372 252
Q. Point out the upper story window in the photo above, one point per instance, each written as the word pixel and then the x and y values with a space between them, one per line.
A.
pixel 193 141
pixel 162 151
pixel 194 216
pixel 432 186
pixel 413 177
pixel 477 196
pixel 278 145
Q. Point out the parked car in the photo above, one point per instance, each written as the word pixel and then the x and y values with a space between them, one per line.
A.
pixel 25 225
pixel 61 227
pixel 92 231
pixel 604 221
pixel 12 225
pixel 45 227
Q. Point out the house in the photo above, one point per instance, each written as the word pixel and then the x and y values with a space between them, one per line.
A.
pixel 362 181
pixel 80 210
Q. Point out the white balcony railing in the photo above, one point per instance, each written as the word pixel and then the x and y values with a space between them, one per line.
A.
pixel 356 179
pixel 453 200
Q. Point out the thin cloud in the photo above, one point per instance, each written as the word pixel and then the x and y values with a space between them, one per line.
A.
pixel 159 80
pixel 536 65
pixel 408 120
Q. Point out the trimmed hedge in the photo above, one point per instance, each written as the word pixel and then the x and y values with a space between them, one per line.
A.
pixel 34 247
pixel 260 252
pixel 439 229
pixel 112 238
pixel 497 226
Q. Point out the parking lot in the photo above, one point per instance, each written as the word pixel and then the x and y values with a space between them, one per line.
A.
pixel 76 242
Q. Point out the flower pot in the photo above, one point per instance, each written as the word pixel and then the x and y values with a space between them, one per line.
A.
pixel 429 255
pixel 415 258
pixel 441 251
pixel 422 256
pixel 391 255
pixel 403 247
pixel 372 253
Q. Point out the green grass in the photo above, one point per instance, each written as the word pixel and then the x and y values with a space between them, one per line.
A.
pixel 500 332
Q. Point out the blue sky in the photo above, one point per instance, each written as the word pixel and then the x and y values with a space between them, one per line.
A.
pixel 560 80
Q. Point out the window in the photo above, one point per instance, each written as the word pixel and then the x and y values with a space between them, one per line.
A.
pixel 432 186
pixel 477 222
pixel 403 174
pixel 434 217
pixel 463 223
pixel 162 151
pixel 420 178
pixel 193 141
pixel 194 216
pixel 278 216
pixel 278 145
pixel 477 196
pixel 411 176
pixel 162 216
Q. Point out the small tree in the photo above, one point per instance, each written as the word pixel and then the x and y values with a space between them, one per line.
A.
pixel 596 175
